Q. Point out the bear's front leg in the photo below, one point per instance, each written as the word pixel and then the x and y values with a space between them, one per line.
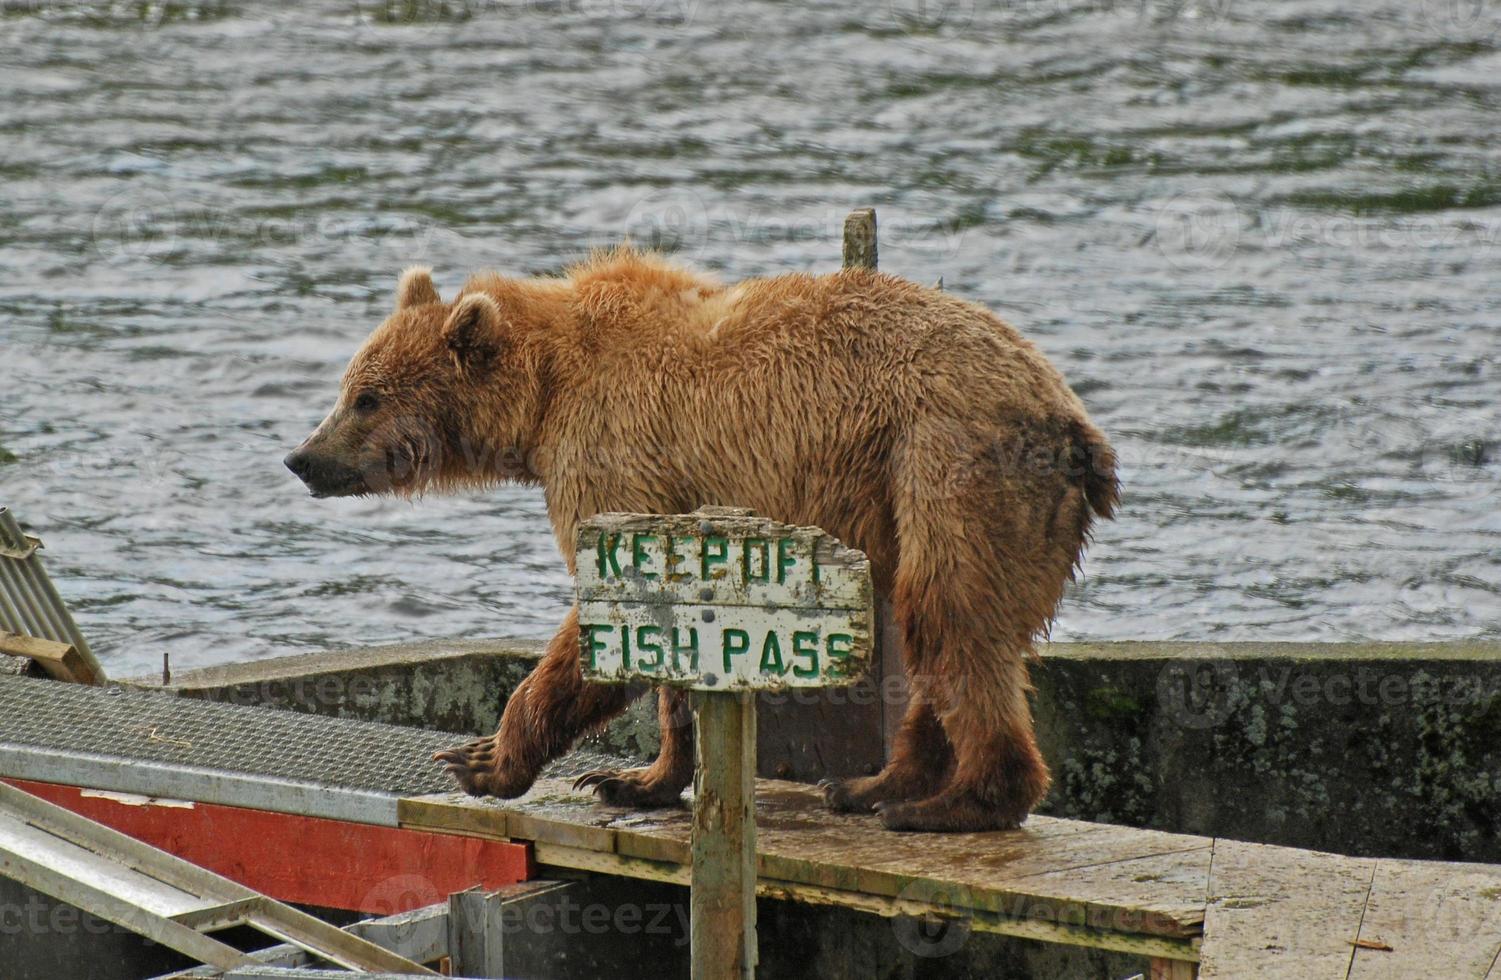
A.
pixel 547 712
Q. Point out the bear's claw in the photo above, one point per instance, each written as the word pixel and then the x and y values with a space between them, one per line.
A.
pixel 628 787
pixel 840 797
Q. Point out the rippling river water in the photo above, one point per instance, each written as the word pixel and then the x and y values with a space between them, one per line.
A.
pixel 1260 238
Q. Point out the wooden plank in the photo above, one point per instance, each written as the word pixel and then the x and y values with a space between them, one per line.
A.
pixel 1165 969
pixel 1282 914
pixel 1427 918
pixel 454 813
pixel 1019 873
pixel 1024 872
pixel 61 661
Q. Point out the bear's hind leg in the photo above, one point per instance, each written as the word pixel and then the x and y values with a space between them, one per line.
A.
pixel 548 710
pixel 660 784
pixel 986 550
pixel 921 760
pixel 998 777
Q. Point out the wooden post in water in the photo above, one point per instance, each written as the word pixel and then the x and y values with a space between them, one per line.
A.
pixel 724 604
pixel 861 252
pixel 860 239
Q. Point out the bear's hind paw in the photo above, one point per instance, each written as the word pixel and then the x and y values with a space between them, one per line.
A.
pixel 845 796
pixel 950 813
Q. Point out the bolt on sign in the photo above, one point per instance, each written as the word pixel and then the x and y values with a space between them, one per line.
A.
pixel 718 600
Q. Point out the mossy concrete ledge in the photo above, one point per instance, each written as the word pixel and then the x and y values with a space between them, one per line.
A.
pixel 1372 749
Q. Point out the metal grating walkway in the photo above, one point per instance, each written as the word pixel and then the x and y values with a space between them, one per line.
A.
pixel 128 740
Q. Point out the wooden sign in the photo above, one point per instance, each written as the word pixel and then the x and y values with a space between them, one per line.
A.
pixel 718 600
pixel 725 604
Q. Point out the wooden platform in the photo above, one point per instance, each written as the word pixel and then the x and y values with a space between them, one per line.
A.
pixel 1238 910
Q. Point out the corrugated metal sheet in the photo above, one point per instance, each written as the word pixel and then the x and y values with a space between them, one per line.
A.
pixel 29 605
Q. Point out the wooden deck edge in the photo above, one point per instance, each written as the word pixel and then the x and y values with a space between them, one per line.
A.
pixel 563 856
pixel 625 851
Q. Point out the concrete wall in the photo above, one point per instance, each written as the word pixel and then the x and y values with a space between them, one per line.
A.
pixel 1367 749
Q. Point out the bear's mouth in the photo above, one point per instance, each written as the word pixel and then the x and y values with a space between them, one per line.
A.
pixel 325 478
pixel 353 489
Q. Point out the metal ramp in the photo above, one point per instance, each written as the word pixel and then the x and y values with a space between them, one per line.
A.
pixel 134 740
pixel 161 897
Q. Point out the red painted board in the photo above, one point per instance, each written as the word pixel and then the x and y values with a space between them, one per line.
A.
pixel 309 860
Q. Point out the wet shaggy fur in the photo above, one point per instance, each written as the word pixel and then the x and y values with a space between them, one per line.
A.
pixel 909 423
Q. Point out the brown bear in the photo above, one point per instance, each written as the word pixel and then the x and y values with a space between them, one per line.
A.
pixel 907 422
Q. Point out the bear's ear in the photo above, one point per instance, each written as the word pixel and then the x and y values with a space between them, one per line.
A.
pixel 415 288
pixel 472 331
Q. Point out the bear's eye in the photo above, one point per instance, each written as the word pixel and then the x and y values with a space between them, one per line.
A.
pixel 367 402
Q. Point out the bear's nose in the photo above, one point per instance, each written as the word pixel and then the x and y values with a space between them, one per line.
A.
pixel 299 463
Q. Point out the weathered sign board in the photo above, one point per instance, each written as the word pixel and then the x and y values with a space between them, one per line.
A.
pixel 725 604
pixel 720 601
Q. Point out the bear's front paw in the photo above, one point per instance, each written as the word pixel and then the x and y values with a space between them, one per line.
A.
pixel 630 787
pixel 848 795
pixel 482 771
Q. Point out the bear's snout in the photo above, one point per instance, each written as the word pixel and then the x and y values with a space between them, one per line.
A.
pixel 324 477
pixel 299 463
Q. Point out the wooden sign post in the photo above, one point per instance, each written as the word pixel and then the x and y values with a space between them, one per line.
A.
pixel 724 604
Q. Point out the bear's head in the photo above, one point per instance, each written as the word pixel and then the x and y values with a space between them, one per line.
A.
pixel 440 396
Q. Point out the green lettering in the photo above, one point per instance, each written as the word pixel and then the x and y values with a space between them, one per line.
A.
pixel 592 645
pixel 608 560
pixel 771 655
pixel 678 649
pixel 745 559
pixel 719 556
pixel 805 644
pixel 625 647
pixel 784 558
pixel 734 643
pixel 673 558
pixel 839 646
pixel 646 644
pixel 639 557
